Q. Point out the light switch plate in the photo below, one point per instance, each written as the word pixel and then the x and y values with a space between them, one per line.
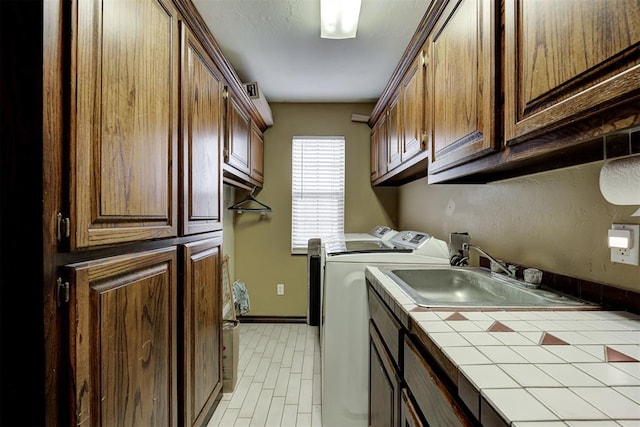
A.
pixel 627 256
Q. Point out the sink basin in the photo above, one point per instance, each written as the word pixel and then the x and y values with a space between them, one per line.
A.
pixel 471 287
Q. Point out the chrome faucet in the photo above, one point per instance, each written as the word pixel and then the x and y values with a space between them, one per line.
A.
pixel 465 251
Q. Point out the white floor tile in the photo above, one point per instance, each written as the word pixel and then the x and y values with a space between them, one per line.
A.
pixel 279 381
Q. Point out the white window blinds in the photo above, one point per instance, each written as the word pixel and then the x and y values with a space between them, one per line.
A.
pixel 318 189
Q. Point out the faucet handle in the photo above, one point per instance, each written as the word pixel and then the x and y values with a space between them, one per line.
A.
pixel 513 268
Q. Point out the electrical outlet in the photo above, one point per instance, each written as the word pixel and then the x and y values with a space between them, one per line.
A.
pixel 280 288
pixel 630 255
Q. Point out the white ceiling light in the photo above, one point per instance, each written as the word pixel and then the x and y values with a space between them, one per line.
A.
pixel 339 18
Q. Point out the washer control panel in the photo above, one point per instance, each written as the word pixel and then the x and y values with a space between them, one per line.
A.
pixel 410 239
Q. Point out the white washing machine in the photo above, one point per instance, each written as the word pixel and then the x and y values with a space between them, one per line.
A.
pixel 315 264
pixel 345 320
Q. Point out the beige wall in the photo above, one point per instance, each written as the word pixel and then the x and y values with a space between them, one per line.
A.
pixel 556 221
pixel 262 243
pixel 228 243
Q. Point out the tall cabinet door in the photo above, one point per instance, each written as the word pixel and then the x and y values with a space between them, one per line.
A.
pixel 123 121
pixel 123 340
pixel 558 68
pixel 394 134
pixel 461 83
pixel 200 149
pixel 201 342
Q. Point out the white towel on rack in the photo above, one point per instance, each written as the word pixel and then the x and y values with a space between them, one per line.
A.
pixel 241 296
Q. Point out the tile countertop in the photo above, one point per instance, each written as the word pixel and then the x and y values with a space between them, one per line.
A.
pixel 541 368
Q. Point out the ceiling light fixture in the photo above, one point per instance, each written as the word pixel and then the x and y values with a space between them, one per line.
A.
pixel 339 18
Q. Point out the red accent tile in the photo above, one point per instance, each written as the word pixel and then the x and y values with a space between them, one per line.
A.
pixel 499 327
pixel 456 316
pixel 548 339
pixel 616 356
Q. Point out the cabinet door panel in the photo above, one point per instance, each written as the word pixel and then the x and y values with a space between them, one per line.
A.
pixel 384 384
pixel 257 154
pixel 557 68
pixel 394 134
pixel 461 84
pixel 202 329
pixel 201 139
pixel 123 339
pixel 413 109
pixel 238 138
pixel 124 122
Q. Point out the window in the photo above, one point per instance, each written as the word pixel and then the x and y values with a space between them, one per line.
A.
pixel 318 189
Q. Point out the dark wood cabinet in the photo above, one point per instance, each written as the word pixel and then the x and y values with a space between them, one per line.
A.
pixel 406 388
pixel 384 384
pixel 201 139
pixel 560 69
pixel 394 134
pixel 238 140
pixel 379 150
pixel 412 106
pixel 124 122
pixel 257 154
pixel 461 82
pixel 409 416
pixel 201 328
pixel 122 333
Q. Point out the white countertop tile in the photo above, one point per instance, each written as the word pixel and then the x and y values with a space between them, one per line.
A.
pixel 466 356
pixel 602 337
pixel 539 424
pixel 448 339
pixel 632 392
pixel 629 350
pixel 607 374
pixel 566 404
pixel 522 325
pixel 629 423
pixel 529 375
pixel 592 424
pixel 610 402
pixel 436 326
pixel 501 354
pixel 597 351
pixel 513 338
pixel 464 326
pixel 571 354
pixel 488 376
pixel 518 405
pixel 536 354
pixel 481 338
pixel 477 315
pixel 632 369
pixel 574 338
pixel 424 315
pixel 569 376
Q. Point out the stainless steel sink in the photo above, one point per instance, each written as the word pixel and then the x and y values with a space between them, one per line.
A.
pixel 471 287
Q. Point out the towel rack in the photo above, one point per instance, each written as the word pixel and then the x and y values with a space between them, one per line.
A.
pixel 240 208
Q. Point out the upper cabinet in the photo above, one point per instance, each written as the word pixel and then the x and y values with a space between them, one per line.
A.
pixel 244 146
pixel 124 122
pixel 461 82
pixel 567 60
pixel 397 138
pixel 201 139
pixel 237 144
pixel 512 88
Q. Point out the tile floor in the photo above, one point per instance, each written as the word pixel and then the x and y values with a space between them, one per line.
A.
pixel 278 378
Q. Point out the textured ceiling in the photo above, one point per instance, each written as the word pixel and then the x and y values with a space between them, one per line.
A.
pixel 277 44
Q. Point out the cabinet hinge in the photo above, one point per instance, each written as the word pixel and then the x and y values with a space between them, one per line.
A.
pixel 225 94
pixel 422 60
pixel 226 154
pixel 63 227
pixel 423 143
pixel 62 291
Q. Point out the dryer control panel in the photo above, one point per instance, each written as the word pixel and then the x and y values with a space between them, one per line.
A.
pixel 410 239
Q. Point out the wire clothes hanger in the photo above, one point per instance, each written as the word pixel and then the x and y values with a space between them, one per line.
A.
pixel 239 207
